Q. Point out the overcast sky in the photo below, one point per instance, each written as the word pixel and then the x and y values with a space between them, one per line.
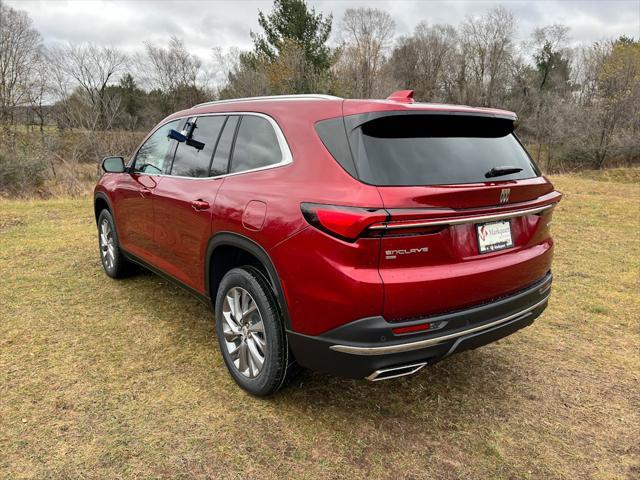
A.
pixel 205 24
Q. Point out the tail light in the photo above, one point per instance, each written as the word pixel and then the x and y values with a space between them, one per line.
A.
pixel 346 223
pixel 351 223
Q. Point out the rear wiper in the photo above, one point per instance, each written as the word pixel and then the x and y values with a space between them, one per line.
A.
pixel 500 171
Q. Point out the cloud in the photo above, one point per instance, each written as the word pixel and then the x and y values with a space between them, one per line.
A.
pixel 204 24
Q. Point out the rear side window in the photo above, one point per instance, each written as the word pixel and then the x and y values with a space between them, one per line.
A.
pixel 192 158
pixel 438 150
pixel 256 145
pixel 151 155
pixel 221 157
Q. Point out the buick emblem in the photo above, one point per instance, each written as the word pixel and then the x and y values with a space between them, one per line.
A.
pixel 504 195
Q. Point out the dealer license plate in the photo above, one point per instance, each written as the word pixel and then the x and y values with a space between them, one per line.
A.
pixel 494 236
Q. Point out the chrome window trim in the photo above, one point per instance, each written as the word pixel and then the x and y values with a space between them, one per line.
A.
pixel 407 347
pixel 287 157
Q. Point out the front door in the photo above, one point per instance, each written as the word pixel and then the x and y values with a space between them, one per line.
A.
pixel 134 195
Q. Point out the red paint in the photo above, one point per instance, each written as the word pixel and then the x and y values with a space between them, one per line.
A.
pixel 331 279
pixel 402 96
pixel 254 215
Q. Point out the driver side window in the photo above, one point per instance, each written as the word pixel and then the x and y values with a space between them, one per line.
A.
pixel 152 154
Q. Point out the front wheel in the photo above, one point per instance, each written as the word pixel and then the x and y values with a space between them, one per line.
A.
pixel 250 331
pixel 114 263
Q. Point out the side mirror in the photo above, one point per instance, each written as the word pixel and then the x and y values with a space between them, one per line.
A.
pixel 113 164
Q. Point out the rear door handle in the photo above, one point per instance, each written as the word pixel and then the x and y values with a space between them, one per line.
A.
pixel 199 205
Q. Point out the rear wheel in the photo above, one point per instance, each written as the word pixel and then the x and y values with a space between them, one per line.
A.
pixel 250 331
pixel 114 263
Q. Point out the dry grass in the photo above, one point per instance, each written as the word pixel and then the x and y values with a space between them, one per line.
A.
pixel 100 378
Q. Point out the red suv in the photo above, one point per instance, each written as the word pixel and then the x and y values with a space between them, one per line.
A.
pixel 364 238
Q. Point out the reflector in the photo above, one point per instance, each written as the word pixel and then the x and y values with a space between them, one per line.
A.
pixel 412 328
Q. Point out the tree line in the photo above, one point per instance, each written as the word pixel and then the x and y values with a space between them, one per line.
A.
pixel 578 105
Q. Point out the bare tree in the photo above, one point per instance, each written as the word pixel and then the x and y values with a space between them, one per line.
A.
pixel 487 46
pixel 20 43
pixel 367 34
pixel 40 89
pixel 618 87
pixel 423 61
pixel 242 79
pixel 547 88
pixel 175 72
pixel 83 74
pixel 172 67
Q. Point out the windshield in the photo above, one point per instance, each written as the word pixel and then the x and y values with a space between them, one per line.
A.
pixel 438 150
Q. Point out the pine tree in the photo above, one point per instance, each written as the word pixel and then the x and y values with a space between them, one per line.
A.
pixel 291 21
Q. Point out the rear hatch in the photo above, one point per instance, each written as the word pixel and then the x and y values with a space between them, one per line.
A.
pixel 468 209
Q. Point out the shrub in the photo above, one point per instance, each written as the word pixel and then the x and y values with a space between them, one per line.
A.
pixel 21 174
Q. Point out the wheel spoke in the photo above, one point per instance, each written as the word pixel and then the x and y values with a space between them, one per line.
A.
pixel 252 307
pixel 259 341
pixel 230 303
pixel 245 302
pixel 235 353
pixel 243 357
pixel 237 310
pixel 231 323
pixel 254 370
pixel 256 357
pixel 257 327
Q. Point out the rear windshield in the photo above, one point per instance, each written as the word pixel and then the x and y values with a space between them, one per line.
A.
pixel 438 150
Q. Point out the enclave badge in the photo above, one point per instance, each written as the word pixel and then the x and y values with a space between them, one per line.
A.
pixel 392 254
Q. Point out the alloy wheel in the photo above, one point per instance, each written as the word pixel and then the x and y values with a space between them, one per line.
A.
pixel 107 244
pixel 244 334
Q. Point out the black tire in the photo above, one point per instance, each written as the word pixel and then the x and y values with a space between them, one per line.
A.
pixel 119 266
pixel 276 350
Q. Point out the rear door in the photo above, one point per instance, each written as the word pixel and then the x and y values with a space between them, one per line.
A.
pixel 456 188
pixel 185 198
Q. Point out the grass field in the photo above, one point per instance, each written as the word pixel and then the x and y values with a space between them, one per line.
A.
pixel 101 379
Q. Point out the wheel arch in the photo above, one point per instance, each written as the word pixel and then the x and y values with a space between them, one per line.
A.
pixel 100 202
pixel 231 240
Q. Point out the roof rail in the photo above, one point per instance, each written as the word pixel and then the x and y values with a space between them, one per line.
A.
pixel 310 96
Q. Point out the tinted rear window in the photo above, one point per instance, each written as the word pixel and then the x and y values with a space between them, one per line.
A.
pixel 437 150
pixel 256 145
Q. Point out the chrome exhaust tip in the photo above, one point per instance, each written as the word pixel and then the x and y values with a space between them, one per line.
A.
pixel 395 372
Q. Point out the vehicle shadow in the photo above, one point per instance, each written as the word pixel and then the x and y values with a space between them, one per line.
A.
pixel 459 385
pixel 478 382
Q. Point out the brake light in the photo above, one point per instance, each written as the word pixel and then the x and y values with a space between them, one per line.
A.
pixel 346 223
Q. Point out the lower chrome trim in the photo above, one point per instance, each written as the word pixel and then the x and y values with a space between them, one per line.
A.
pixel 407 347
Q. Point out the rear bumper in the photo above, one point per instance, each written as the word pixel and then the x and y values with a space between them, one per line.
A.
pixel 360 348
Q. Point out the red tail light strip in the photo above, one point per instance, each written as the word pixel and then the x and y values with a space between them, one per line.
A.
pixel 346 223
pixel 460 220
